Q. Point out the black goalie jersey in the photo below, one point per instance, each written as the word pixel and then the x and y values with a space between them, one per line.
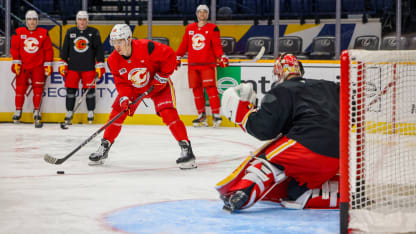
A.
pixel 82 48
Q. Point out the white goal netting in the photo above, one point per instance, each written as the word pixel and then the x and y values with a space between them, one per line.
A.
pixel 382 141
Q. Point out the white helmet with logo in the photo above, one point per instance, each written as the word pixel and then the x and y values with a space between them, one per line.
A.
pixel 82 15
pixel 31 14
pixel 202 7
pixel 119 31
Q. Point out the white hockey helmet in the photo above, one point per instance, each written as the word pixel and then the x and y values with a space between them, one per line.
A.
pixel 31 14
pixel 202 7
pixel 120 31
pixel 82 15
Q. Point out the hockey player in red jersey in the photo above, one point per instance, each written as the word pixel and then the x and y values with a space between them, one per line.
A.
pixel 32 53
pixel 298 166
pixel 136 66
pixel 203 44
pixel 82 57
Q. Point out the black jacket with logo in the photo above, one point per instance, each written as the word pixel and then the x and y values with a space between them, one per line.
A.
pixel 81 49
pixel 304 110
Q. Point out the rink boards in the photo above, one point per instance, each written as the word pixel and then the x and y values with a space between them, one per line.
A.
pixel 53 105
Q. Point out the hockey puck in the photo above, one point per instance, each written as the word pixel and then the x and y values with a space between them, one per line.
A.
pixel 60 172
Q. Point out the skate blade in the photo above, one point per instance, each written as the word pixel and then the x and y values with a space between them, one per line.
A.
pixel 90 121
pixel 38 124
pixel 202 124
pixel 187 165
pixel 16 121
pixel 228 209
pixel 96 163
pixel 216 124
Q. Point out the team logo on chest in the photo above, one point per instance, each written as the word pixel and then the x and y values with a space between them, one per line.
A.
pixel 198 41
pixel 139 77
pixel 81 44
pixel 31 45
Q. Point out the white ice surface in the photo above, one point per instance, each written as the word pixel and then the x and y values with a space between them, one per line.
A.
pixel 141 169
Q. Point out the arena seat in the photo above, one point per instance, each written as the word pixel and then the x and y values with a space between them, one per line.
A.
pixel 290 44
pixel 163 40
pixel 161 6
pixel 232 4
pixel 411 38
pixel 254 45
pixel 367 42
pixel 323 47
pixel 228 45
pixel 390 42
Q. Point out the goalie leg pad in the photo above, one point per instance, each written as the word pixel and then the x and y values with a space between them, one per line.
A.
pixel 260 176
pixel 326 197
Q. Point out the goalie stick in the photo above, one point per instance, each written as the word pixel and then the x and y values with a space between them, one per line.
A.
pixel 52 160
pixel 64 125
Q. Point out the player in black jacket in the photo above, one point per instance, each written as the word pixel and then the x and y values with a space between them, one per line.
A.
pixel 298 167
pixel 82 57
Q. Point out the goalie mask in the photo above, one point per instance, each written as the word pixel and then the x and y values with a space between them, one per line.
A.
pixel 285 65
pixel 120 31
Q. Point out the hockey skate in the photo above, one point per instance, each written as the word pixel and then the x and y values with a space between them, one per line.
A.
pixel 201 120
pixel 216 120
pixel 235 201
pixel 90 116
pixel 68 117
pixel 37 118
pixel 98 157
pixel 187 158
pixel 17 115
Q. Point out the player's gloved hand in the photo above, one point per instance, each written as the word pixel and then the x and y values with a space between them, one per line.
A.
pixel 159 82
pixel 238 102
pixel 223 61
pixel 125 105
pixel 63 68
pixel 100 69
pixel 178 62
pixel 47 66
pixel 16 66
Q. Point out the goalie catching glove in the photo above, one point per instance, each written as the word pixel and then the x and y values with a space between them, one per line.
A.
pixel 238 102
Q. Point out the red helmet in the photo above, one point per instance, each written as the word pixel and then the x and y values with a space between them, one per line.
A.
pixel 285 65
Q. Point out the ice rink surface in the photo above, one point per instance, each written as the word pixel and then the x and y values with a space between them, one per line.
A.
pixel 138 190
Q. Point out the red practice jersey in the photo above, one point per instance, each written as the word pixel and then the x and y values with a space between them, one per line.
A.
pixel 149 62
pixel 202 44
pixel 32 47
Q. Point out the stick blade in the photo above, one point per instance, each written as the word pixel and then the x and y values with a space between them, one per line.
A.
pixel 49 159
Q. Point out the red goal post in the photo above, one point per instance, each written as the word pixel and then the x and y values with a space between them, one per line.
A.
pixel 378 141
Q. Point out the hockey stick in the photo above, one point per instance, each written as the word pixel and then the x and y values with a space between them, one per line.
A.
pixel 64 125
pixel 259 55
pixel 52 160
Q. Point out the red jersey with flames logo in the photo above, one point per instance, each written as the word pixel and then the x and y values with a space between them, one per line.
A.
pixel 202 44
pixel 33 48
pixel 151 63
pixel 82 49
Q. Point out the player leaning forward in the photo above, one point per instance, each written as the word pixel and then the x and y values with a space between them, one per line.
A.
pixel 300 168
pixel 136 66
pixel 32 53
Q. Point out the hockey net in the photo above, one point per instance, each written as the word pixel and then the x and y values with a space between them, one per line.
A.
pixel 378 141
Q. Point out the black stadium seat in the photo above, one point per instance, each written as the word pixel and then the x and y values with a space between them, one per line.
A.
pixel 323 47
pixel 228 45
pixel 390 42
pixel 367 42
pixel 254 45
pixel 290 44
pixel 163 40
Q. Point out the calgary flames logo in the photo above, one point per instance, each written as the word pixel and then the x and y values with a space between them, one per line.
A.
pixel 198 41
pixel 31 45
pixel 139 77
pixel 81 44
